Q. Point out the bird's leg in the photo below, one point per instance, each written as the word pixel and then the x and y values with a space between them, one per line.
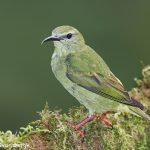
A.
pixel 78 126
pixel 83 122
pixel 103 118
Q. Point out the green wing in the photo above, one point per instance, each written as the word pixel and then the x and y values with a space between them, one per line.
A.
pixel 88 70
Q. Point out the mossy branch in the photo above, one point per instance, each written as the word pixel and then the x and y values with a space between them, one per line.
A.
pixel 53 130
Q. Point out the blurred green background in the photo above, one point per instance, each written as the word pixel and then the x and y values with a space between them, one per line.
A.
pixel 118 30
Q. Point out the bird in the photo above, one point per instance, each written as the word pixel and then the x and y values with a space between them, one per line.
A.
pixel 86 76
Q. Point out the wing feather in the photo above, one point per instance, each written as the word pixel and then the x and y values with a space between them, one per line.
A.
pixel 88 70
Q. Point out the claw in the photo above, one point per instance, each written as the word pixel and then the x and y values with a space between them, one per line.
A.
pixel 77 128
pixel 103 118
pixel 107 122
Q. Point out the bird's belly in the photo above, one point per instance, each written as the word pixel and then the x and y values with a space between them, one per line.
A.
pixel 92 101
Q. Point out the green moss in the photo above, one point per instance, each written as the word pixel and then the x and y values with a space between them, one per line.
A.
pixel 53 130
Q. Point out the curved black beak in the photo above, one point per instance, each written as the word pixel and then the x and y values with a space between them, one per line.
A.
pixel 51 38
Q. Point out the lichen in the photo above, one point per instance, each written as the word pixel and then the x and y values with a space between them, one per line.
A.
pixel 53 130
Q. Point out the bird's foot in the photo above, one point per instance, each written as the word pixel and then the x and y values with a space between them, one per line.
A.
pixel 103 118
pixel 81 133
pixel 78 126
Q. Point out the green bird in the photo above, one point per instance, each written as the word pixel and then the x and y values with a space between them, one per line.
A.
pixel 85 75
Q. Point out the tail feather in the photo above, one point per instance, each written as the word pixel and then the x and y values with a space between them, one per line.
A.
pixel 140 112
pixel 138 108
pixel 136 103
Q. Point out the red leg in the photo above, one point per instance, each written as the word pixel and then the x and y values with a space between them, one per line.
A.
pixel 78 126
pixel 103 118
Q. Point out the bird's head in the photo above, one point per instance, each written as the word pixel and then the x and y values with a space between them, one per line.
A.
pixel 66 36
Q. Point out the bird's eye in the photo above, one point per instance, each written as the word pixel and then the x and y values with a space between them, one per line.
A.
pixel 69 35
